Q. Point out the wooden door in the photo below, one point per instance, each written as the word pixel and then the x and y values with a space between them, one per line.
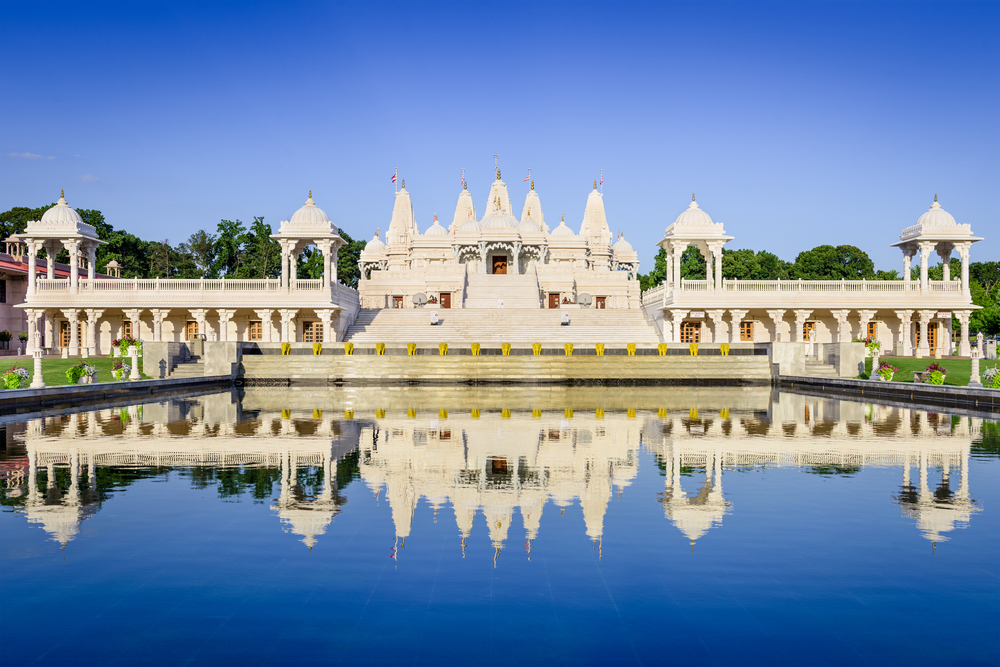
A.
pixel 397 302
pixel 190 330
pixel 312 332
pixel 746 332
pixel 500 265
pixel 554 300
pixel 690 332
pixel 932 337
pixel 601 302
pixel 446 299
pixel 64 334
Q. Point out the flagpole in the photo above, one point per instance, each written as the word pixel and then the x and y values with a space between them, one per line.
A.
pixel 395 181
pixel 602 181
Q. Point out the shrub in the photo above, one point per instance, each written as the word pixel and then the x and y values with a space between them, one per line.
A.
pixel 5 336
pixel 990 375
pixel 936 367
pixel 936 377
pixel 120 370
pixel 568 347
pixel 15 378
pixel 23 336
pixel 885 370
pixel 74 373
pixel 348 348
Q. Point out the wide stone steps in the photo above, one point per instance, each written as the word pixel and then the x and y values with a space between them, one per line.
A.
pixel 194 367
pixel 819 369
pixel 516 291
pixel 467 326
pixel 322 369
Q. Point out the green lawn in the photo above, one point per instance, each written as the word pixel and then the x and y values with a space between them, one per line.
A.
pixel 958 369
pixel 54 370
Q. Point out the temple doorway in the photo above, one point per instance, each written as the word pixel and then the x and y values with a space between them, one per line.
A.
pixel 554 300
pixel 500 265
pixel 445 299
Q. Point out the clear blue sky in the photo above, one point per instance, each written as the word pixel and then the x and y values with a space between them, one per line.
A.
pixel 796 124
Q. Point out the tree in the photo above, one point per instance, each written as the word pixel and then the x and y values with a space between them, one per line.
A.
pixel 347 260
pixel 201 248
pixel 16 219
pixel 648 281
pixel 263 254
pixel 892 274
pixel 827 262
pixel 159 259
pixel 309 264
pixel 745 264
pixel 228 248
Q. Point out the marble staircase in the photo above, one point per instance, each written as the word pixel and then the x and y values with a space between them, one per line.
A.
pixel 516 291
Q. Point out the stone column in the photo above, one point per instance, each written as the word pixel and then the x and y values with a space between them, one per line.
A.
pixel 37 381
pixel 944 252
pixel 225 315
pixel 50 328
pixel 93 316
pixel 74 330
pixel 199 315
pixel 133 354
pixel 905 330
pixel 864 319
pixel 159 314
pixel 715 249
pixel 33 316
pixel 964 348
pixel 326 316
pixel 778 317
pixel 287 317
pixel 51 249
pixel 73 248
pixel 134 316
pixel 32 248
pixel 800 320
pixel 963 252
pixel 736 316
pixel 843 325
pixel 516 259
pixel 676 317
pixel 926 248
pixel 907 258
pixel 91 260
pixel 265 323
pixel 668 279
pixel 679 249
pixel 924 348
pixel 718 324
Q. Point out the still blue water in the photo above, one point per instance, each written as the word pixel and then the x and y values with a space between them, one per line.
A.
pixel 504 527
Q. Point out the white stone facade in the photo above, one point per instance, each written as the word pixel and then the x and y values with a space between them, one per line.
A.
pixel 480 262
pixel 908 317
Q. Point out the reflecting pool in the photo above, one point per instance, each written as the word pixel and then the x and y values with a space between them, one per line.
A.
pixel 503 526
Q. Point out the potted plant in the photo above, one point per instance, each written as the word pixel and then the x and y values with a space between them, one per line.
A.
pixel 935 374
pixel 432 299
pixel 81 374
pixel 870 346
pixel 885 371
pixel 120 370
pixel 5 337
pixel 16 378
pixel 991 377
pixel 114 347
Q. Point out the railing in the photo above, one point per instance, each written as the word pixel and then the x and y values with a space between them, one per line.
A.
pixel 655 294
pixel 307 284
pixel 183 285
pixel 52 285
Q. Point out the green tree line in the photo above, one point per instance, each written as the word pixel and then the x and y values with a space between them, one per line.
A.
pixel 233 250
pixel 828 262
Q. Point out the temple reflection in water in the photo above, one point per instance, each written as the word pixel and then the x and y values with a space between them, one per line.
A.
pixel 500 453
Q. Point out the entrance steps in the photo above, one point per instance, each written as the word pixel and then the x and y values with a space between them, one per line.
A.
pixel 517 291
pixel 462 327
pixel 816 368
pixel 193 367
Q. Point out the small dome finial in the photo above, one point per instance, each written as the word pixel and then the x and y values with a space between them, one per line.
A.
pixel 532 185
pixel 62 194
pixel 595 183
pixel 310 193
pixel 404 183
pixel 935 196
pixel 692 196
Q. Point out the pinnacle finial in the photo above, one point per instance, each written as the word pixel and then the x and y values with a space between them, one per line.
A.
pixel 532 185
pixel 404 183
pixel 310 193
pixel 935 196
pixel 595 183
pixel 692 196
pixel 62 195
pixel 498 174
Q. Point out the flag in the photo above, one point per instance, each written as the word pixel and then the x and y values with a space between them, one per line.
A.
pixel 394 178
pixel 602 178
pixel 527 178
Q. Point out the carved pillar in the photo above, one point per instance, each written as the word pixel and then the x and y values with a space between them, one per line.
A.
pixel 905 330
pixel 287 317
pixel 134 316
pixel 32 247
pixel 718 324
pixel 326 317
pixel 963 252
pixel 199 315
pixel 676 317
pixel 73 248
pixel 907 259
pixel 865 318
pixel 93 327
pixel 482 257
pixel 516 260
pixel 964 348
pixel 50 329
pixel 33 316
pixel 715 249
pixel 265 323
pixel 944 252
pixel 800 322
pixel 51 250
pixel 91 260
pixel 679 249
pixel 225 315
pixel 736 316
pixel 843 326
pixel 159 314
pixel 924 348
pixel 926 248
pixel 74 330
pixel 778 317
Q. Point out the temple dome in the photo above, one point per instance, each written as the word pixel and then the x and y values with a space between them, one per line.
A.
pixel 436 229
pixel 529 227
pixel 499 221
pixel 375 246
pixel 935 216
pixel 622 246
pixel 470 226
pixel 693 217
pixel 62 214
pixel 310 219
pixel 562 230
